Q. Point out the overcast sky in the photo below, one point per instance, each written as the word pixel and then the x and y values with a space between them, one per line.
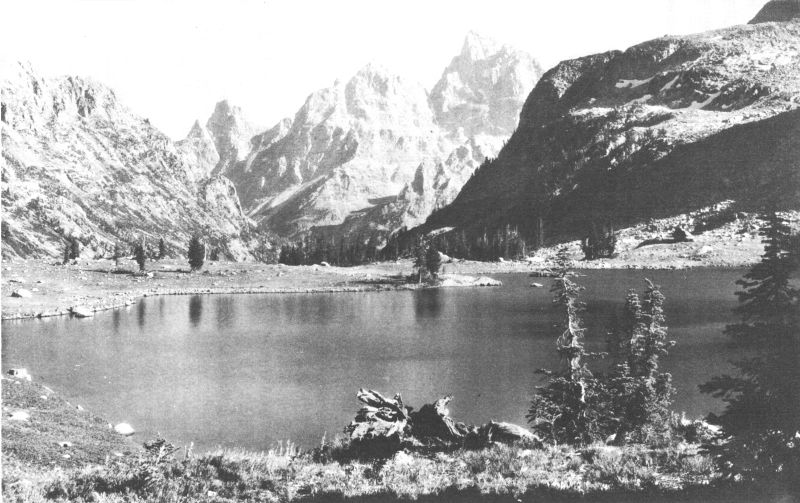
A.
pixel 171 61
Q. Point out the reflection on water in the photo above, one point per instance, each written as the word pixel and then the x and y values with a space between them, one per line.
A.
pixel 428 304
pixel 251 370
pixel 195 309
pixel 141 311
pixel 116 314
pixel 226 311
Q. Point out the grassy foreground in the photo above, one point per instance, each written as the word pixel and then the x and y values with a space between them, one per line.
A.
pixel 62 453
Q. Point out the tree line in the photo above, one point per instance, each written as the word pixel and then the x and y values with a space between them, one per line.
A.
pixel 141 252
pixel 630 401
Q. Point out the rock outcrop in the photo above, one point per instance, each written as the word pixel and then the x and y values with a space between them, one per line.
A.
pixel 667 127
pixel 76 162
pixel 200 150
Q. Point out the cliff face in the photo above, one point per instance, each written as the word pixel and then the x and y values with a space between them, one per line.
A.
pixel 666 127
pixel 76 162
pixel 346 163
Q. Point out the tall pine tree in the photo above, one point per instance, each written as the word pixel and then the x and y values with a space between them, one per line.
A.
pixel 572 407
pixel 763 401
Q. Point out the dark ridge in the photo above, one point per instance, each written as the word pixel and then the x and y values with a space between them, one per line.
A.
pixel 778 11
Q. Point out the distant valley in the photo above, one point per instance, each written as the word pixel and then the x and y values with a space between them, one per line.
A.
pixel 671 127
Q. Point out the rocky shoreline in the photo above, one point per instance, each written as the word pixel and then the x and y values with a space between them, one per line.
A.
pixel 52 289
pixel 115 290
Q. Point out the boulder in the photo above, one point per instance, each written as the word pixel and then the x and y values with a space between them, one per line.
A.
pixel 81 312
pixel 19 415
pixel 506 433
pixel 403 458
pixel 20 374
pixel 22 293
pixel 487 281
pixel 680 235
pixel 124 429
pixel 537 285
pixel 703 251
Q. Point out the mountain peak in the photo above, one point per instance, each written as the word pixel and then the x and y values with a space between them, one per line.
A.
pixel 231 133
pixel 373 68
pixel 484 87
pixel 477 47
pixel 196 131
pixel 778 11
pixel 223 110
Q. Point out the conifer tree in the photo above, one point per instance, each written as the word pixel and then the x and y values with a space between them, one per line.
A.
pixel 162 249
pixel 420 258
pixel 67 252
pixel 117 254
pixel 641 395
pixel 433 261
pixel 763 400
pixel 139 255
pixel 75 248
pixel 573 406
pixel 196 253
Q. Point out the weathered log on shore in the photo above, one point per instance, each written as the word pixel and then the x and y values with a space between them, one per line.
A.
pixel 384 425
pixel 433 421
pixel 379 418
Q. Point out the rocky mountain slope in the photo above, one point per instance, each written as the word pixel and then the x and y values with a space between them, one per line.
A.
pixel 76 162
pixel 669 126
pixel 378 152
pixel 778 11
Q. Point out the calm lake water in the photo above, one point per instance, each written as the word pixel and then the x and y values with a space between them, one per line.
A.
pixel 252 370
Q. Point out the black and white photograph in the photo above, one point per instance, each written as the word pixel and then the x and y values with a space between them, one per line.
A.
pixel 307 251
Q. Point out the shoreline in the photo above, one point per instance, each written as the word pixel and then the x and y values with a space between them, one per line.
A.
pixel 96 285
pixel 65 453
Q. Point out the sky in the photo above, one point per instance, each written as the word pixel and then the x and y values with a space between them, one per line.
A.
pixel 171 61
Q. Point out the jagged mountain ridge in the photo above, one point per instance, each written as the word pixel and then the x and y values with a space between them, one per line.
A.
pixel 483 88
pixel 668 126
pixel 346 162
pixel 77 162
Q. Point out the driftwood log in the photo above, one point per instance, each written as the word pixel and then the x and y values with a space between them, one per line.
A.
pixel 379 417
pixel 388 424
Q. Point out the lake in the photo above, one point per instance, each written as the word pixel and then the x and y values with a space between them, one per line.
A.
pixel 253 370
